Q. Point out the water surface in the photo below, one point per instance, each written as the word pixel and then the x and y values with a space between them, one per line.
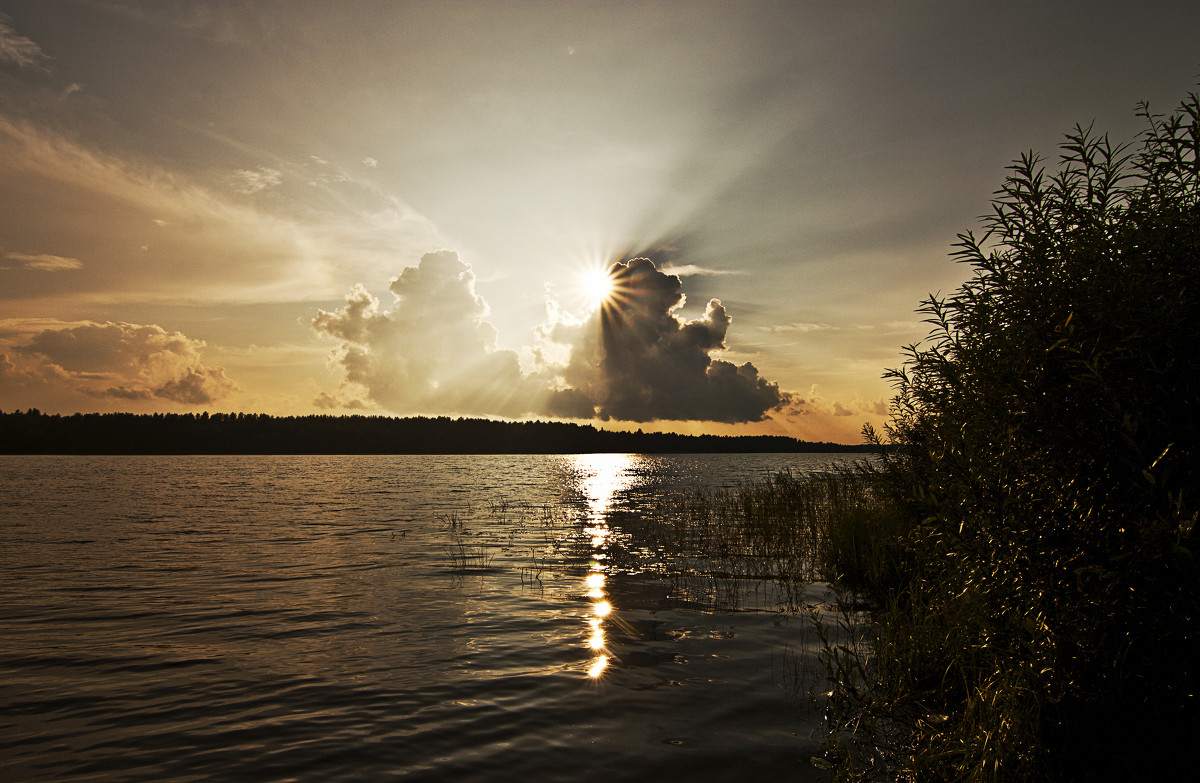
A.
pixel 375 617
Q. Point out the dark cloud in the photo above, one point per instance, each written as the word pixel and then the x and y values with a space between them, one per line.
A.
pixel 636 360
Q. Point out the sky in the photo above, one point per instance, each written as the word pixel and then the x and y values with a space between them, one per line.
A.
pixel 402 208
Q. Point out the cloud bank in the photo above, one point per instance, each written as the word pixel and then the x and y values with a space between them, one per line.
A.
pixel 633 359
pixel 115 361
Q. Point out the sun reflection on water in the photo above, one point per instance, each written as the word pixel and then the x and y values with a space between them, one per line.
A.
pixel 598 666
pixel 602 477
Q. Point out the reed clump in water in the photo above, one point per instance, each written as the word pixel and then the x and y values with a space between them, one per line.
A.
pixel 768 536
pixel 464 554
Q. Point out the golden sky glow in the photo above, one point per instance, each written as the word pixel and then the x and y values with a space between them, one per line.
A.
pixel 229 206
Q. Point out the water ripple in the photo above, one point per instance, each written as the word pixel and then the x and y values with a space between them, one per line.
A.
pixel 299 618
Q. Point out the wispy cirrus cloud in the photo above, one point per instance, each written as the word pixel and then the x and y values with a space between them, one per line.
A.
pixel 19 50
pixel 799 327
pixel 250 181
pixel 223 22
pixel 46 262
pixel 299 246
pixel 692 270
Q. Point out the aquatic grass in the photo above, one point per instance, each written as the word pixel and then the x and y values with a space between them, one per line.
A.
pixel 498 536
pixel 465 555
pixel 773 528
pixel 533 572
pixel 764 539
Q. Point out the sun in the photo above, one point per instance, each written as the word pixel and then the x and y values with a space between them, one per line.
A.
pixel 597 286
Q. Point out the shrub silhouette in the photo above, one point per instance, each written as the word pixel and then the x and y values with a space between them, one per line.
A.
pixel 1047 624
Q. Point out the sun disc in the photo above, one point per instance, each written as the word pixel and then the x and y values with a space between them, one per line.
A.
pixel 597 286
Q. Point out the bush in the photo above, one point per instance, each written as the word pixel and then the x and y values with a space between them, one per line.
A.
pixel 1045 463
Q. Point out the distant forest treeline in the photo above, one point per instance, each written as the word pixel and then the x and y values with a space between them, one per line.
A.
pixel 34 432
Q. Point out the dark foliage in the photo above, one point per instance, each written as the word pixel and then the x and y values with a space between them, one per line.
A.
pixel 33 432
pixel 1047 623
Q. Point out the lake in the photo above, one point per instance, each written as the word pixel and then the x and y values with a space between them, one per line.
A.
pixel 384 617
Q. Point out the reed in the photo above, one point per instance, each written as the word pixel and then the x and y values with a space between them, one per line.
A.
pixel 464 554
pixel 763 541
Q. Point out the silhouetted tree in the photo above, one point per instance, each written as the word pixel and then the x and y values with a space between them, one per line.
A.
pixel 33 432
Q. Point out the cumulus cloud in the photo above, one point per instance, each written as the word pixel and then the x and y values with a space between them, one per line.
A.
pixel 879 407
pixel 814 403
pixel 119 361
pixel 45 262
pixel 635 359
pixel 335 401
pixel 432 352
pixel 19 50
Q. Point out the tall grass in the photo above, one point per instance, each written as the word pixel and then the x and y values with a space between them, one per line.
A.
pixel 764 540
pixel 465 555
